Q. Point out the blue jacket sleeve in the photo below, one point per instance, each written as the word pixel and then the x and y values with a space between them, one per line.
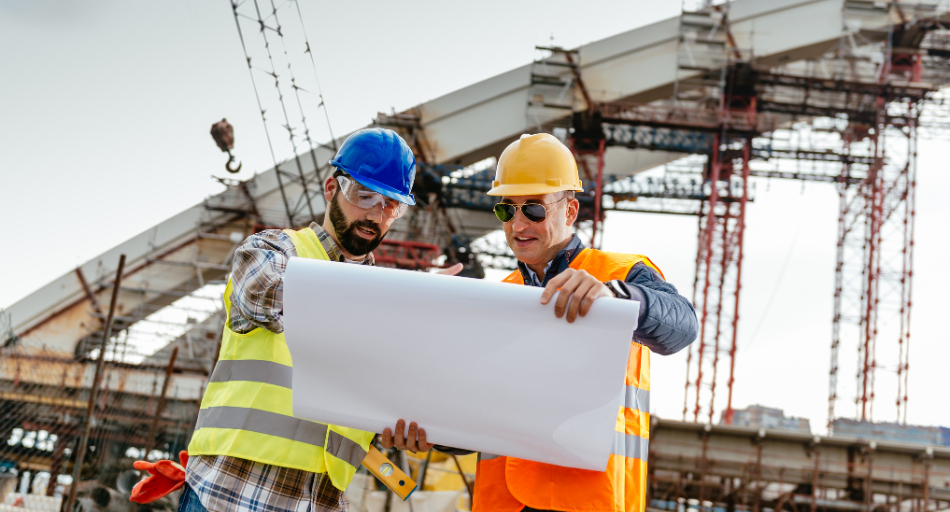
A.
pixel 667 322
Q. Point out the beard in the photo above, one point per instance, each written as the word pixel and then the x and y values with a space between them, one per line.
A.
pixel 351 241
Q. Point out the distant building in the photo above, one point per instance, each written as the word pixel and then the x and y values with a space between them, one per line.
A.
pixel 896 432
pixel 758 416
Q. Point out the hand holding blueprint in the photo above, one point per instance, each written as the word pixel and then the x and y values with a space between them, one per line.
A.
pixel 500 373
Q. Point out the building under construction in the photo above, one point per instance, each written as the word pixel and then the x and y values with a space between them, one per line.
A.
pixel 107 364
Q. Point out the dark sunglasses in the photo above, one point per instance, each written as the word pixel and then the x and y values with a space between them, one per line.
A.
pixel 535 212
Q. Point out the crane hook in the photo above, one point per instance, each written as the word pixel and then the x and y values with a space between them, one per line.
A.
pixel 230 161
pixel 223 134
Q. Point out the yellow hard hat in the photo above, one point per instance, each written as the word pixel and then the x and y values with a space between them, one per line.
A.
pixel 535 164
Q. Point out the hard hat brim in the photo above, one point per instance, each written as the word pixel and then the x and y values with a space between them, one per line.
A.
pixel 529 189
pixel 376 186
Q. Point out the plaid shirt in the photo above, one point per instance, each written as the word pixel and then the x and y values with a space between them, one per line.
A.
pixel 229 484
pixel 257 277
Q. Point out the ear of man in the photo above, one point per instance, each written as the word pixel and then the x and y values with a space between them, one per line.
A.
pixel 331 186
pixel 572 206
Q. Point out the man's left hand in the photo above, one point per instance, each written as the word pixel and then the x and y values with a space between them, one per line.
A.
pixel 415 441
pixel 578 290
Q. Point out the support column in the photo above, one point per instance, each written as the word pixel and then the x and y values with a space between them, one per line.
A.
pixel 740 245
pixel 714 168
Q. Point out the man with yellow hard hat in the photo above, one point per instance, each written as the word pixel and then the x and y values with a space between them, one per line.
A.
pixel 536 179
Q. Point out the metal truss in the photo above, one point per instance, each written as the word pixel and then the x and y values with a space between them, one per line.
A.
pixel 466 190
pixel 658 139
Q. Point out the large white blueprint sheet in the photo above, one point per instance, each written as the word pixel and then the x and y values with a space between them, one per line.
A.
pixel 480 365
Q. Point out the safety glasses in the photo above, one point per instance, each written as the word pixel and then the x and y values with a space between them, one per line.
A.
pixel 365 198
pixel 535 212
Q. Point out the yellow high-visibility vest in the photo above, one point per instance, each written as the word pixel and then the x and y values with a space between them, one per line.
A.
pixel 247 409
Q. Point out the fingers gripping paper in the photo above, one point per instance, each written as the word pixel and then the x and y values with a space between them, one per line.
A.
pixel 480 365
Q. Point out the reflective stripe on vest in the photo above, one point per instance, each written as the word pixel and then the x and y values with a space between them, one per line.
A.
pixel 507 484
pixel 629 445
pixel 263 422
pixel 253 371
pixel 637 398
pixel 247 409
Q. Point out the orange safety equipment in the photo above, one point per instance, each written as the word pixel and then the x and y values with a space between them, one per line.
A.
pixel 507 484
pixel 165 478
pixel 535 164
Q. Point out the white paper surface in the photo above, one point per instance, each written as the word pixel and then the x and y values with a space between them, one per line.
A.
pixel 480 365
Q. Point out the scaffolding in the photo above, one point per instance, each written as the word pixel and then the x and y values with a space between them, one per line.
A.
pixel 849 118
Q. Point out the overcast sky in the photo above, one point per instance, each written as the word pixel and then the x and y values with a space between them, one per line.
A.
pixel 104 118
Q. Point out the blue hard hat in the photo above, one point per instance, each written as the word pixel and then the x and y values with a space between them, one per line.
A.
pixel 379 160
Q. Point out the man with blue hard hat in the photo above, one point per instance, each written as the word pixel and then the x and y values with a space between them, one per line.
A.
pixel 248 452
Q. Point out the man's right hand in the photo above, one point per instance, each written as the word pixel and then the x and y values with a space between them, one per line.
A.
pixel 576 286
pixel 415 441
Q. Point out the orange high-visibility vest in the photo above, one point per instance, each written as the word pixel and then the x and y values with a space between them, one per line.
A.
pixel 507 484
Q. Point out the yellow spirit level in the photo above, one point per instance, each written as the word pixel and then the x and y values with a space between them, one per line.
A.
pixel 389 473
